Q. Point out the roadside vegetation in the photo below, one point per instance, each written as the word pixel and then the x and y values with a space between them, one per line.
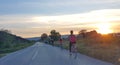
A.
pixel 103 47
pixel 106 48
pixel 10 43
pixel 100 49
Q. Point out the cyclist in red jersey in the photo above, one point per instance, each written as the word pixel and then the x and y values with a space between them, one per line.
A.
pixel 72 40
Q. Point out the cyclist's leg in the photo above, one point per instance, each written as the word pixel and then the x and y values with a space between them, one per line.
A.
pixel 70 45
pixel 75 50
pixel 70 48
pixel 75 47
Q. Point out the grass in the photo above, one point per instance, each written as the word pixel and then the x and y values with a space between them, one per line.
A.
pixel 105 48
pixel 5 51
pixel 3 54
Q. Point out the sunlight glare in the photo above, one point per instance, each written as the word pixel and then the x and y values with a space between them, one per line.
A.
pixel 104 28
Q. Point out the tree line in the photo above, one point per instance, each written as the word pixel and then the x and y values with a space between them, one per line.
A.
pixel 81 34
pixel 54 35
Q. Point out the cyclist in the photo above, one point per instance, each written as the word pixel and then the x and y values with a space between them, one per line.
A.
pixel 61 42
pixel 72 40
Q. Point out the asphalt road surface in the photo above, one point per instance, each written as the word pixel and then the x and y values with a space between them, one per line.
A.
pixel 43 54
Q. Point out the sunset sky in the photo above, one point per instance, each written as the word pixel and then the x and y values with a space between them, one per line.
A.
pixel 31 18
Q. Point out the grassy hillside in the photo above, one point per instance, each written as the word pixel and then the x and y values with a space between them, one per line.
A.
pixel 10 43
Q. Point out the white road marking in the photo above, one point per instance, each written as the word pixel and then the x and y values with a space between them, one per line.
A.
pixel 34 56
pixel 36 44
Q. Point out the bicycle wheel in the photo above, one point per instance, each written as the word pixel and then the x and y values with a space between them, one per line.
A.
pixel 74 50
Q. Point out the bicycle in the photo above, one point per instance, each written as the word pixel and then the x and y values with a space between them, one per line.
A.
pixel 74 50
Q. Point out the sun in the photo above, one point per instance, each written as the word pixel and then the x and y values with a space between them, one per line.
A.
pixel 104 28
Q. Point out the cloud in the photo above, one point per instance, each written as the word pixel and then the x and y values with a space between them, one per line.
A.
pixel 37 24
pixel 54 3
pixel 67 3
pixel 95 16
pixel 54 7
pixel 92 16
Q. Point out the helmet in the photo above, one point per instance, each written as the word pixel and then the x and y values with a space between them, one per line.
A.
pixel 71 31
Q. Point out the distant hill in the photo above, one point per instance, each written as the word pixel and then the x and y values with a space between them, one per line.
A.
pixel 34 38
pixel 64 36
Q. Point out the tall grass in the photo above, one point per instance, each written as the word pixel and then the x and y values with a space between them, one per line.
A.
pixel 106 48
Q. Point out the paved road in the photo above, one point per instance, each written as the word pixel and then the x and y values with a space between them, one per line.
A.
pixel 42 54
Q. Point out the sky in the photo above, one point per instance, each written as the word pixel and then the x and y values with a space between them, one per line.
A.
pixel 31 18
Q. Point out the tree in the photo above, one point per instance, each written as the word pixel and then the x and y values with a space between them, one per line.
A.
pixel 92 34
pixel 53 32
pixel 44 36
pixel 54 35
pixel 83 33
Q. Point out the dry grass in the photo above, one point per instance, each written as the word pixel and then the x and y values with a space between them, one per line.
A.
pixel 105 48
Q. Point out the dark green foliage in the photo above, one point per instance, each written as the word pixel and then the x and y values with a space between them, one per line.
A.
pixel 10 42
pixel 91 34
pixel 54 35
pixel 44 36
pixel 83 33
